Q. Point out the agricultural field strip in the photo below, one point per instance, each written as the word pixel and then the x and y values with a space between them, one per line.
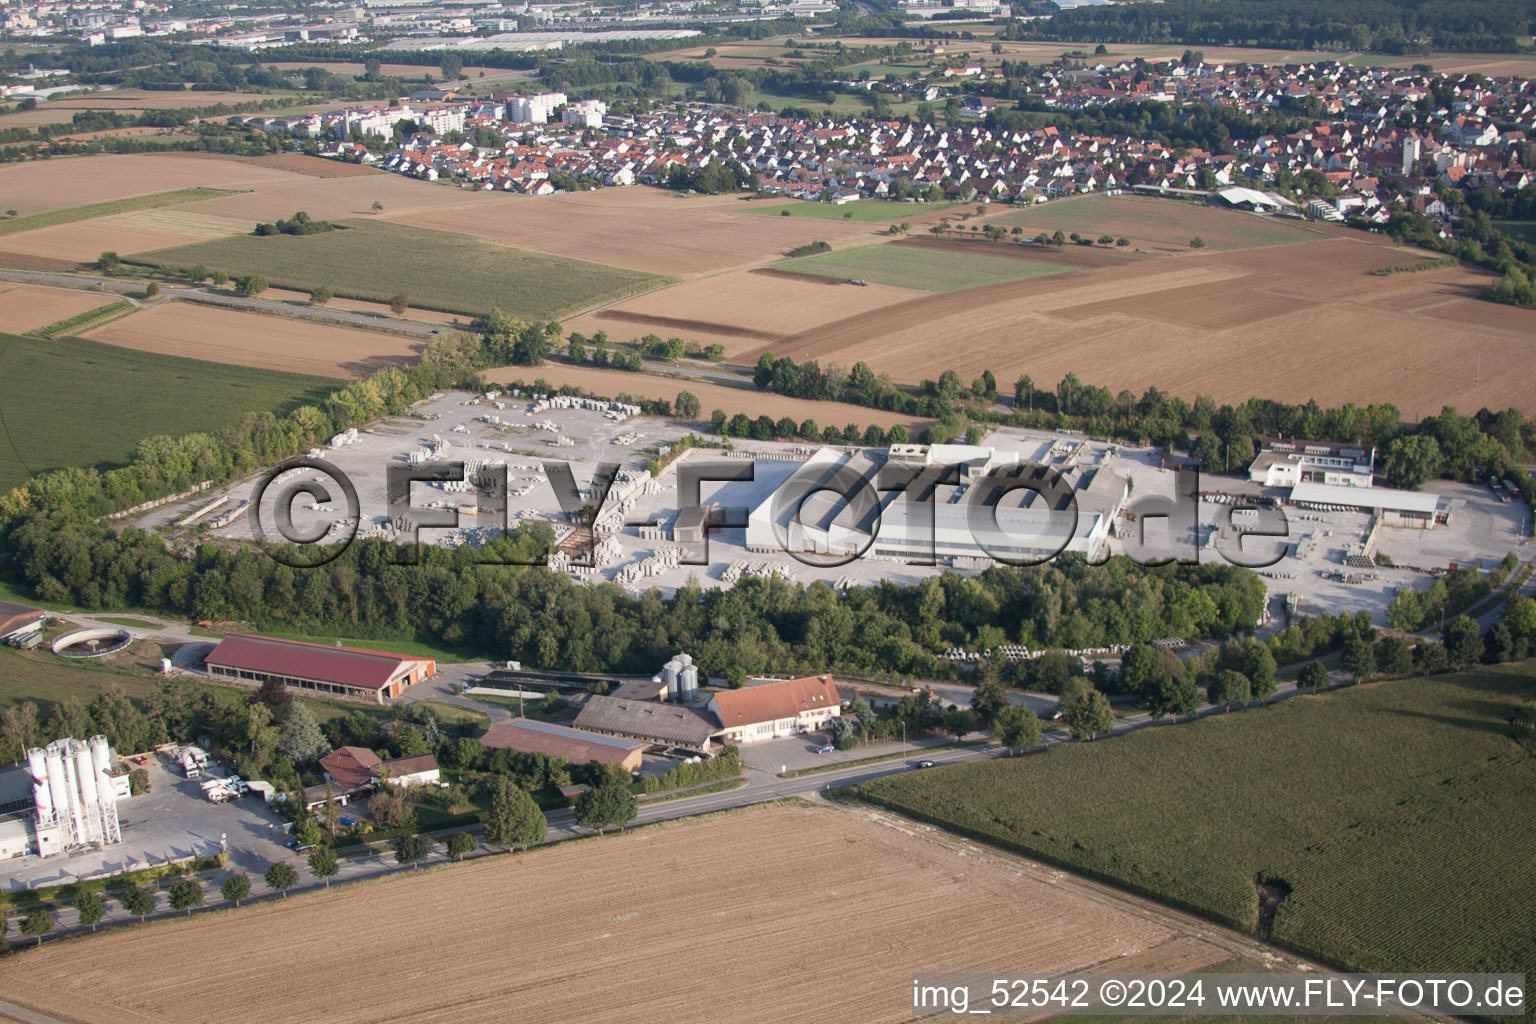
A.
pixel 70 214
pixel 640 954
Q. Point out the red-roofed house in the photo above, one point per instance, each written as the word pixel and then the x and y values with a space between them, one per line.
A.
pixel 771 710
pixel 316 668
pixel 351 768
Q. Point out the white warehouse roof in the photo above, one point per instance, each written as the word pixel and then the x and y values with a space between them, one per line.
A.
pixel 1365 497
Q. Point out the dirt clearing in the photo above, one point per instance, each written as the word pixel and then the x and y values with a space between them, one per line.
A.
pixel 25 307
pixel 617 947
pixel 200 331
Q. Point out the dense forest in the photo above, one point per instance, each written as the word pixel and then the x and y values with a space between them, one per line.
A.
pixel 1383 26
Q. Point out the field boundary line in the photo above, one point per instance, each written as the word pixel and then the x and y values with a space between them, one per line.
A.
pixel 292 313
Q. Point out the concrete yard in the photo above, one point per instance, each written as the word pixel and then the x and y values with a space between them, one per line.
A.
pixel 172 821
pixel 1481 530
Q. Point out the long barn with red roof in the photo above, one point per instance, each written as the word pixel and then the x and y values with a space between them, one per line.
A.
pixel 316 668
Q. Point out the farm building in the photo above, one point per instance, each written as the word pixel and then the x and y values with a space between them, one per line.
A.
pixel 881 522
pixel 18 618
pixel 411 771
pixel 337 671
pixel 665 724
pixel 771 710
pixel 574 745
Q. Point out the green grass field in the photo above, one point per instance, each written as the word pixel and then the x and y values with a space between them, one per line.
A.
pixel 929 270
pixel 869 211
pixel 73 402
pixel 1524 230
pixel 70 214
pixel 434 269
pixel 1398 813
pixel 1157 223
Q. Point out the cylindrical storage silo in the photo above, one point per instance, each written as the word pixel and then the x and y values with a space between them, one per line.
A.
pixel 101 760
pixel 72 790
pixel 90 797
pixel 58 785
pixel 669 676
pixel 37 767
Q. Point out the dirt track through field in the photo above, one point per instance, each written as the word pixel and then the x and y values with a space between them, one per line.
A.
pixel 836 912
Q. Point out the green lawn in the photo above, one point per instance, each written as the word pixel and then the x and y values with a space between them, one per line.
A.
pixel 1156 223
pixel 870 211
pixel 433 269
pixel 73 213
pixel 1524 230
pixel 929 270
pixel 1399 814
pixel 74 402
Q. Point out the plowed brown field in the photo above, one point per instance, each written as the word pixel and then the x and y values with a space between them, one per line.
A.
pixel 37 186
pixel 1289 322
pixel 253 339
pixel 829 922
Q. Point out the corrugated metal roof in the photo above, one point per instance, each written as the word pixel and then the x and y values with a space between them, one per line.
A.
pixel 647 720
pixel 574 745
pixel 348 666
pixel 1365 497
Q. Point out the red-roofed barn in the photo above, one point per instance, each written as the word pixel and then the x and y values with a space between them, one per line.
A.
pixel 315 668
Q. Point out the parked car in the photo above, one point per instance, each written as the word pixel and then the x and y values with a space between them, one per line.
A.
pixel 298 846
pixel 826 749
pixel 923 764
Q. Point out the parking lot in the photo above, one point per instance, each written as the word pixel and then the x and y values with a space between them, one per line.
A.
pixel 172 821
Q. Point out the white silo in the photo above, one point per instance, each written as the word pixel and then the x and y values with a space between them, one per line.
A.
pixel 101 761
pixel 37 767
pixel 75 825
pixel 90 798
pixel 669 676
pixel 58 784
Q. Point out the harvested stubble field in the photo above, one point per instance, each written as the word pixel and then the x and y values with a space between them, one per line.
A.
pixel 921 268
pixel 868 211
pixel 25 307
pixel 1289 322
pixel 375 260
pixel 74 402
pixel 746 400
pixel 199 331
pixel 1157 224
pixel 741 310
pixel 1397 813
pixel 620 947
pixel 37 186
pixel 642 228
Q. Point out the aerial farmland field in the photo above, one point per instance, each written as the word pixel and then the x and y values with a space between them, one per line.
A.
pixel 920 268
pixel 1157 224
pixel 373 259
pixel 223 335
pixel 73 402
pixel 1391 861
pixel 899 897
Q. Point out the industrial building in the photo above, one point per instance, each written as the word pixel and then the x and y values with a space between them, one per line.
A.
pixel 1412 509
pixel 1004 520
pixel 64 797
pixel 1288 463
pixel 574 745
pixel 772 710
pixel 335 671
